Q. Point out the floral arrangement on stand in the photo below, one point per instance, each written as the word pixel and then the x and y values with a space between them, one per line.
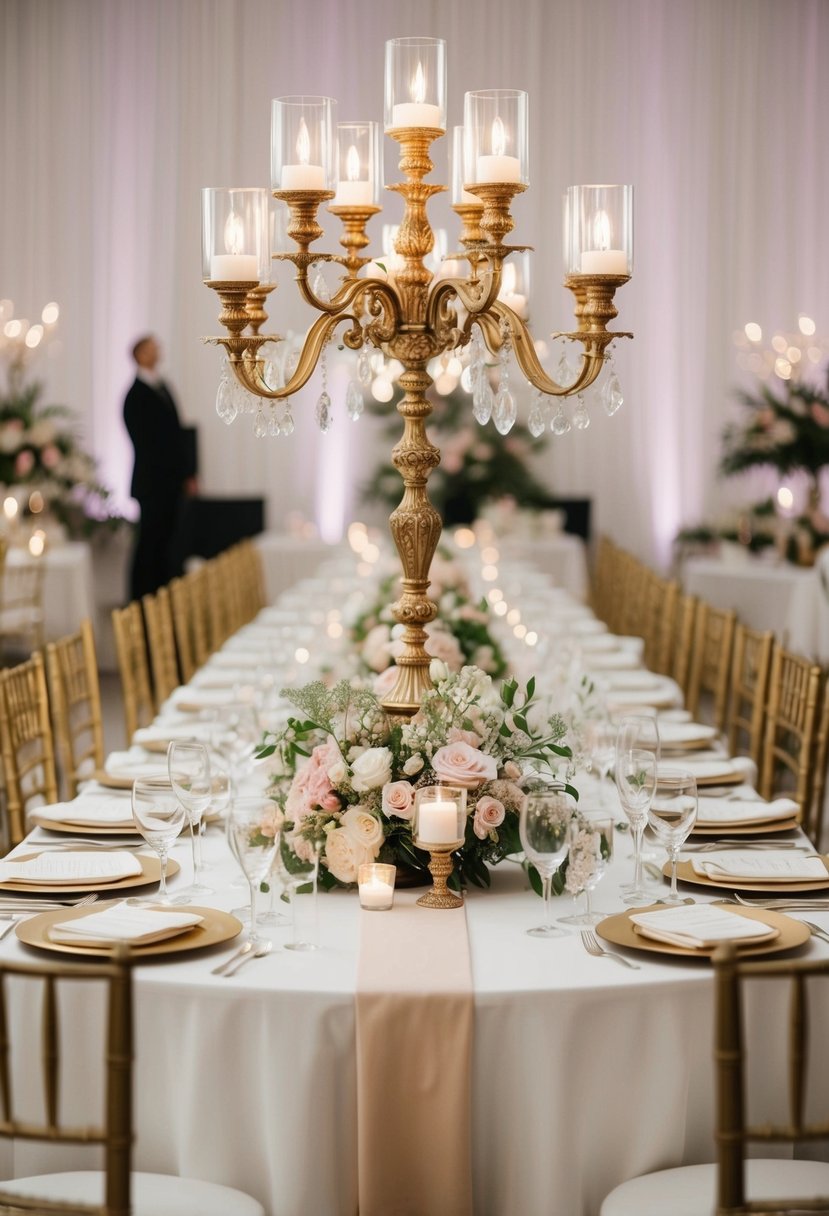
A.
pixel 345 775
pixel 461 636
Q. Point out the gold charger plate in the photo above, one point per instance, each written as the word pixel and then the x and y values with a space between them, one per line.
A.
pixel 733 778
pixel 685 873
pixel 122 781
pixel 745 829
pixel 619 931
pixel 216 927
pixel 150 872
pixel 84 829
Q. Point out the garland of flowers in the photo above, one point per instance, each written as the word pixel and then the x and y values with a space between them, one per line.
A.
pixel 345 775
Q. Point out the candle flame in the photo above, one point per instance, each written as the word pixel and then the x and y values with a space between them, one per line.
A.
pixel 234 233
pixel 499 136
pixel 601 230
pixel 303 143
pixel 352 164
pixel 419 86
pixel 508 280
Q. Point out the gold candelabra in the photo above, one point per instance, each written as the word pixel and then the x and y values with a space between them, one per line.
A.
pixel 412 318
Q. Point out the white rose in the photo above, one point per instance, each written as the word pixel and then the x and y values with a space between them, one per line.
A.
pixel 376 648
pixel 337 773
pixel 372 769
pixel 413 765
pixel 365 829
pixel 343 856
pixel 438 671
pixel 441 644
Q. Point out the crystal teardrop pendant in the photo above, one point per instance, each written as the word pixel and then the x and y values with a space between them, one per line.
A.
pixel 560 424
pixel 612 398
pixel 482 402
pixel 260 426
pixel 273 423
pixel 504 411
pixel 286 426
pixel 225 401
pixel 537 421
pixel 354 403
pixel 323 413
pixel 271 376
pixel 364 366
pixel 291 361
pixel 564 373
pixel 321 288
pixel 581 418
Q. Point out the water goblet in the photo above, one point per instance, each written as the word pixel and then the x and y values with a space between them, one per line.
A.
pixel 671 816
pixel 159 817
pixel 591 848
pixel 188 766
pixel 234 736
pixel 277 883
pixel 543 827
pixel 638 730
pixel 253 832
pixel 636 782
pixel 601 738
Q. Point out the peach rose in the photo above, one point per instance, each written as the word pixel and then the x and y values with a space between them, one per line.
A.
pixel 460 764
pixel 343 855
pixel 398 799
pixel 385 682
pixel 489 814
pixel 365 829
pixel 456 735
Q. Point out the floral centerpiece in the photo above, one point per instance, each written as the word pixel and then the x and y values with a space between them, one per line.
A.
pixel 345 775
pixel 461 635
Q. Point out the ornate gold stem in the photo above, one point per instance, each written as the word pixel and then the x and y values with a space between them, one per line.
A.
pixel 354 236
pixel 440 867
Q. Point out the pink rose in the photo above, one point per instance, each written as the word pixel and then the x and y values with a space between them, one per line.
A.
pixel 398 799
pixel 460 764
pixel 50 456
pixel 820 414
pixel 24 463
pixel 489 814
pixel 385 682
pixel 456 735
pixel 512 771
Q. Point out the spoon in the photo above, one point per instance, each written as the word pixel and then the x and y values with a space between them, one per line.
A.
pixel 261 950
pixel 244 949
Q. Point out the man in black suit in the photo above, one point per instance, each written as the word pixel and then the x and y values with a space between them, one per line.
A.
pixel 162 475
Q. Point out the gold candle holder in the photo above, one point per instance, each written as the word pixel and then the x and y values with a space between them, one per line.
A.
pixel 354 236
pixel 439 827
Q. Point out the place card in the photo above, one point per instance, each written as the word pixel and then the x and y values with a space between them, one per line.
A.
pixel 123 923
pixel 71 868
pixel 772 865
pixel 700 926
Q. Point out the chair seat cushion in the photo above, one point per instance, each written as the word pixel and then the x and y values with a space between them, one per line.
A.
pixel 152 1194
pixel 691 1190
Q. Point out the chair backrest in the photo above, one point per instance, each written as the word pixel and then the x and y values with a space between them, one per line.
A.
pixel 250 579
pixel 183 628
pixel 217 590
pixel 133 667
pixel 114 1132
pixel 26 742
pixel 21 599
pixel 660 623
pixel 683 641
pixel 750 672
pixel 735 1134
pixel 161 642
pixel 711 661
pixel 199 608
pixel 791 728
pixel 813 820
pixel 75 695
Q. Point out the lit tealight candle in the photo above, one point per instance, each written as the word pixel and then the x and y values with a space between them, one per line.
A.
pixel 353 192
pixel 498 167
pixel 234 266
pixel 303 176
pixel 417 112
pixel 437 823
pixel 376 895
pixel 602 259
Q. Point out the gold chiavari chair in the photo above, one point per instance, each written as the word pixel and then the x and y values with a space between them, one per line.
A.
pixel 133 667
pixel 21 602
pixel 683 641
pixel 660 623
pixel 750 671
pixel 26 743
pixel 161 643
pixel 115 1190
pixel 218 597
pixel 75 695
pixel 252 579
pixel 711 661
pixel 791 729
pixel 634 593
pixel 183 628
pixel 813 822
pixel 199 610
pixel 737 1184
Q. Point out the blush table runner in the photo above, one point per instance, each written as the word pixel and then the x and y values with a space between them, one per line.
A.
pixel 414 1017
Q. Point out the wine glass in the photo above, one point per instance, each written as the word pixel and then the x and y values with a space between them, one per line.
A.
pixel 253 832
pixel 277 883
pixel 636 782
pixel 234 736
pixel 188 766
pixel 639 730
pixel 159 817
pixel 602 744
pixel 543 828
pixel 672 815
pixel 591 848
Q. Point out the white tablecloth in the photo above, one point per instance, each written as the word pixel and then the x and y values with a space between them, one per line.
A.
pixel 67 585
pixel 561 556
pixel 286 559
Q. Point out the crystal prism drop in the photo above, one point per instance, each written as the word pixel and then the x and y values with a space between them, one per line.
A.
pixel 537 422
pixel 482 402
pixel 612 398
pixel 504 411
pixel 260 426
pixel 271 376
pixel 273 424
pixel 581 418
pixel 323 413
pixel 287 424
pixel 225 401
pixel 564 373
pixel 321 288
pixel 364 366
pixel 290 364
pixel 561 423
pixel 354 400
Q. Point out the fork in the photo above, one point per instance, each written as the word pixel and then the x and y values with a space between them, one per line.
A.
pixel 716 846
pixel 10 907
pixel 816 931
pixel 779 903
pixel 593 946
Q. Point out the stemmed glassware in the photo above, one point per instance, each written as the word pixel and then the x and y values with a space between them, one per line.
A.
pixel 591 848
pixel 159 817
pixel 234 737
pixel 543 827
pixel 636 783
pixel 188 766
pixel 277 882
pixel 671 816
pixel 601 740
pixel 253 832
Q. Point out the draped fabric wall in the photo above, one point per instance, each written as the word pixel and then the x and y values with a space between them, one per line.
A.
pixel 115 112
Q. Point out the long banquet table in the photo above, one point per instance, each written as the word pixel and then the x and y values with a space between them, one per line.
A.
pixel 584 1073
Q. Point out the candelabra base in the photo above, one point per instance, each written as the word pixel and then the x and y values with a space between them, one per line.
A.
pixel 440 867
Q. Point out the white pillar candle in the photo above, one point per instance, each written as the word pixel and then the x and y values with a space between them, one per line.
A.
pixel 302 177
pixel 517 302
pixel 416 114
pixel 437 823
pixel 604 261
pixel 497 169
pixel 354 194
pixel 234 267
pixel 468 197
pixel 376 894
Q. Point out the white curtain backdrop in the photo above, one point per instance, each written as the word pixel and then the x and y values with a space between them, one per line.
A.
pixel 116 112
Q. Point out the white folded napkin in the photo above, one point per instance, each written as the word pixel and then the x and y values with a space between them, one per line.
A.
pixel 766 865
pixel 717 811
pixel 587 626
pixel 675 734
pixel 90 811
pixel 123 923
pixel 199 698
pixel 598 643
pixel 236 660
pixel 164 731
pixel 223 682
pixel 665 692
pixel 631 679
pixel 72 867
pixel 700 926
pixel 618 660
pixel 711 770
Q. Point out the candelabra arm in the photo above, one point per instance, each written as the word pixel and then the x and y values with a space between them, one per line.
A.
pixel 245 365
pixel 525 354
